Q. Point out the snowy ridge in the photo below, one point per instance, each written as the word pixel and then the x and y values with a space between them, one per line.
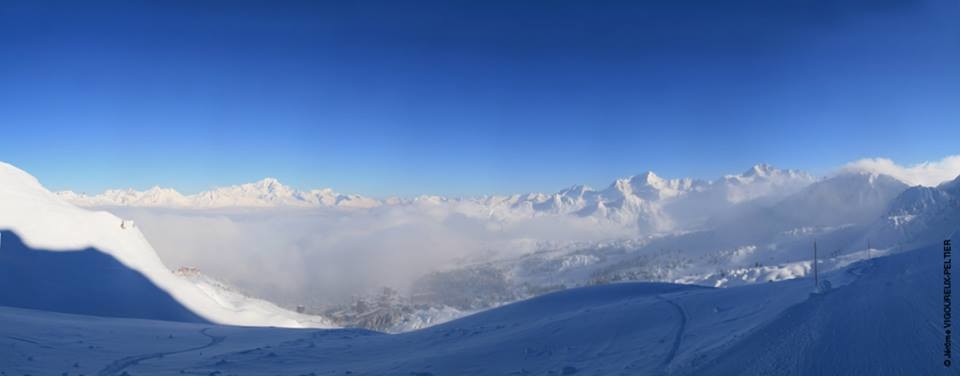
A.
pixel 43 221
pixel 920 214
pixel 264 193
pixel 234 300
pixel 646 201
pixel 763 180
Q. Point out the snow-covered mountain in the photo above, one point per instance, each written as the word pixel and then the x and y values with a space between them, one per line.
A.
pixel 54 253
pixel 759 180
pixel 655 204
pixel 763 181
pixel 920 215
pixel 849 197
pixel 750 241
pixel 59 257
pixel 156 196
pixel 264 193
pixel 742 228
pixel 646 202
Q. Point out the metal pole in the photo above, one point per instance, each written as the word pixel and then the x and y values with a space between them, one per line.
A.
pixel 816 271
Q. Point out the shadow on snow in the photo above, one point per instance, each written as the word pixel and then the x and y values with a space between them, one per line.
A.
pixel 86 281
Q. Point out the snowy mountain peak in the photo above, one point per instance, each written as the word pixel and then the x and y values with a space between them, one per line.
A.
pixel 648 177
pixel 627 193
pixel 160 190
pixel 621 201
pixel 761 169
pixel 266 186
pixel 270 184
pixel 576 191
pixel 266 192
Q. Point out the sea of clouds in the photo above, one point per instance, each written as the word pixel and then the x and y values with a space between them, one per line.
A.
pixel 328 255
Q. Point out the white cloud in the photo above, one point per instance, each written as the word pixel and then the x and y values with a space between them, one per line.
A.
pixel 323 256
pixel 926 173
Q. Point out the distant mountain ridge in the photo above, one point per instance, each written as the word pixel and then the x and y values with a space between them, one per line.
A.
pixel 648 187
pixel 646 201
pixel 264 193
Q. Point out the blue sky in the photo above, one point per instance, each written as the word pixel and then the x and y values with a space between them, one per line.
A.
pixel 468 97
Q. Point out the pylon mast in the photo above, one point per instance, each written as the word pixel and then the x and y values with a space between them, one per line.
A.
pixel 816 271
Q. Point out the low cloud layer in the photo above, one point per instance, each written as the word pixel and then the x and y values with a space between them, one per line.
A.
pixel 926 173
pixel 324 256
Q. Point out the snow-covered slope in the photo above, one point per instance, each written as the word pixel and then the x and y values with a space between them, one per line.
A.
pixel 63 258
pixel 882 317
pixel 850 197
pixel 918 215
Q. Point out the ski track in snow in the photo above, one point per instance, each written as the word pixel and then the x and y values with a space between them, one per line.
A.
pixel 32 342
pixel 119 365
pixel 679 336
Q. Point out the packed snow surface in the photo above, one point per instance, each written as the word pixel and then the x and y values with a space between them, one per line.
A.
pixel 882 317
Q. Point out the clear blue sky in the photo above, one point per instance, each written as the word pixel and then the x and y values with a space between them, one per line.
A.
pixel 468 97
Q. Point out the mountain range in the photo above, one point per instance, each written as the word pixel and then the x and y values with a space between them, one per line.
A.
pixel 739 229
pixel 263 193
pixel 652 203
pixel 647 202
pixel 743 228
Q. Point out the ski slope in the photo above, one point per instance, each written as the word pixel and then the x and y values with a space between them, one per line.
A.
pixel 881 318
